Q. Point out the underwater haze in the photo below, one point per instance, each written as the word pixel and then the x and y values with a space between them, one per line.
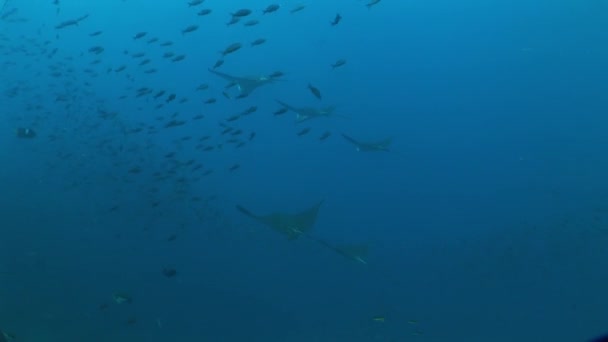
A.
pixel 303 171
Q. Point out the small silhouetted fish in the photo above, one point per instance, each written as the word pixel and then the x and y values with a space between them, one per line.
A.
pixel 325 135
pixel 251 136
pixel 372 3
pixel 233 21
pixel 276 74
pixel 304 131
pixel 167 43
pixel 234 167
pixel 94 34
pixel 203 12
pixel 218 63
pixel 336 20
pixel 96 50
pixel 338 63
pixel 139 35
pixel 250 110
pixel 195 3
pixel 210 101
pixel 258 41
pixel 271 8
pixel 280 111
pixel 172 237
pixel 315 91
pixel 242 13
pixel 169 272
pixel 171 97
pixel 231 49
pixel 297 9
pixel 178 58
pixel 189 29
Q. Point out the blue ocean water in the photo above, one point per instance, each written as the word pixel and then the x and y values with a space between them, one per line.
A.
pixel 481 213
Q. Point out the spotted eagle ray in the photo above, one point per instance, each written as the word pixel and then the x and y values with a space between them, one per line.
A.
pixel 377 146
pixel 307 113
pixel 294 225
pixel 245 85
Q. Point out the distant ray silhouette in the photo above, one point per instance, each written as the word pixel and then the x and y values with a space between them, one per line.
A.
pixel 301 224
pixel 291 225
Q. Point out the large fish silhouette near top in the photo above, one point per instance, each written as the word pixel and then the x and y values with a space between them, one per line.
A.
pixel 295 225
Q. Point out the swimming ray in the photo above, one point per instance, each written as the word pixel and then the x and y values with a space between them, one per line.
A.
pixel 292 225
pixel 245 85
pixel 301 224
pixel 307 113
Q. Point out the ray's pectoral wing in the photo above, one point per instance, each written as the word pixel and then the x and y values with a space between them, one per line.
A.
pixel 248 213
pixel 291 108
pixel 351 140
pixel 307 219
pixel 227 77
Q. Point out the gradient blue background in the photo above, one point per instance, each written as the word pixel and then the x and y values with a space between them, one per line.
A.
pixel 487 222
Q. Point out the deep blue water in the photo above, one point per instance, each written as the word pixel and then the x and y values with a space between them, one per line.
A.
pixel 487 219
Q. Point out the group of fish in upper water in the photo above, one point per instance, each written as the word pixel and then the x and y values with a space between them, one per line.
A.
pixel 292 225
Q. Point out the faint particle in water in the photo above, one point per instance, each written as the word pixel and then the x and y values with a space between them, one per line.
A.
pixel 190 28
pixel 336 20
pixel 242 12
pixel 271 8
pixel 379 319
pixel 372 3
pixel 169 272
pixel 315 91
pixel 338 63
pixel 140 35
pixel 203 12
pixel 195 3
pixel 168 54
pixel 258 41
pixel 298 8
pixel 122 298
